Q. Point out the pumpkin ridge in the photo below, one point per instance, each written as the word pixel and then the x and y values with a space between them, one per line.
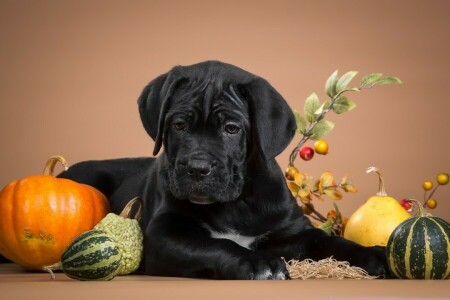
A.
pixel 428 254
pixel 6 243
pixel 407 257
pixel 444 233
pixel 401 252
pixel 418 259
pixel 391 253
pixel 20 229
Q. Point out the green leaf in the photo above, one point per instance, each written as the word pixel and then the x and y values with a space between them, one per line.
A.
pixel 343 104
pixel 327 226
pixel 320 109
pixel 330 86
pixel 388 80
pixel 338 212
pixel 321 129
pixel 343 82
pixel 301 122
pixel 353 89
pixel 312 104
pixel 324 106
pixel 370 79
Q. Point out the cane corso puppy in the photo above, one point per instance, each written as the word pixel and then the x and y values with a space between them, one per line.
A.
pixel 216 202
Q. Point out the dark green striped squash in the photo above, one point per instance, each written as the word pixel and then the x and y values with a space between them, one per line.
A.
pixel 419 248
pixel 93 255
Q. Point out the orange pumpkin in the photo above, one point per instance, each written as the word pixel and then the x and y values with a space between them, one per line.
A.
pixel 41 215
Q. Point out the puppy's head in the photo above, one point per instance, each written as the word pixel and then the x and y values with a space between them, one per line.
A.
pixel 210 117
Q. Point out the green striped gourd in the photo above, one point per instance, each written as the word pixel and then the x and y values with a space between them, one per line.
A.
pixel 126 230
pixel 419 248
pixel 93 255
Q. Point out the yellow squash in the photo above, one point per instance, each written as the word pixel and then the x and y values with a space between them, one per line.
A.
pixel 375 220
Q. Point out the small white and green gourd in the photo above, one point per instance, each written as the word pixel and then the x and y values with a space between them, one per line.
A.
pixel 93 255
pixel 113 247
pixel 125 229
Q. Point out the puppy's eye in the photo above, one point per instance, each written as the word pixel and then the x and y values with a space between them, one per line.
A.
pixel 232 128
pixel 179 125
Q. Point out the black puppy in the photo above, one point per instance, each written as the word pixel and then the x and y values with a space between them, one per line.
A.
pixel 216 202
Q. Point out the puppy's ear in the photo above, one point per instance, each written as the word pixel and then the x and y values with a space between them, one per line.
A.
pixel 154 103
pixel 273 121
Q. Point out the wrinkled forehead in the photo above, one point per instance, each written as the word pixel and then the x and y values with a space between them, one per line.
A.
pixel 207 99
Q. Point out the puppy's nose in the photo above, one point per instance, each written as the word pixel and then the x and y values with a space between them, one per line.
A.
pixel 199 168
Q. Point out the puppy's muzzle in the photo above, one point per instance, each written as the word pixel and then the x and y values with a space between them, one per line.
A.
pixel 198 178
pixel 198 169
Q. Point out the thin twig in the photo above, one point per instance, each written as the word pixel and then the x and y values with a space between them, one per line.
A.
pixel 307 134
pixel 430 196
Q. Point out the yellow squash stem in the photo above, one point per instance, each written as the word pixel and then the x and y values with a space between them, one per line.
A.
pixel 381 189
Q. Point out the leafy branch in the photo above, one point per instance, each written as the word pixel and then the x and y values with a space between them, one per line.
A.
pixel 313 125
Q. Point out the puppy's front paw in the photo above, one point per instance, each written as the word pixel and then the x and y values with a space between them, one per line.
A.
pixel 374 261
pixel 262 267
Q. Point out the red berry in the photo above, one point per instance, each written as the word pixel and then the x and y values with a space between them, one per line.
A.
pixel 406 204
pixel 306 153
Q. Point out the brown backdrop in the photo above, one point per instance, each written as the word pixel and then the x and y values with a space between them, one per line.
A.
pixel 71 72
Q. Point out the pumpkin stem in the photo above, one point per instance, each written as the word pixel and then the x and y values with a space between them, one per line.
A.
pixel 56 266
pixel 381 189
pixel 51 163
pixel 126 210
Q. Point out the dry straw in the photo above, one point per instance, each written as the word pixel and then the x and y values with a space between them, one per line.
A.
pixel 328 268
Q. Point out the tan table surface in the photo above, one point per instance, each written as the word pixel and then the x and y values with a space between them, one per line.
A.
pixel 16 283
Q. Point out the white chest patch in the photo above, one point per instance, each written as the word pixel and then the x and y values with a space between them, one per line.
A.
pixel 241 240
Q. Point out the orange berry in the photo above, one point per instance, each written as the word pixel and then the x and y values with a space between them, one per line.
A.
pixel 427 185
pixel 321 147
pixel 290 172
pixel 442 178
pixel 431 203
